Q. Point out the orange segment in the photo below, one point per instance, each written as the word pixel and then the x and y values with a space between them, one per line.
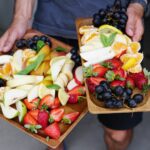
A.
pixel 135 47
pixel 7 69
pixel 84 29
pixel 136 69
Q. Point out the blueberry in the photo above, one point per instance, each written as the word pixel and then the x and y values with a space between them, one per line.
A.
pixel 106 95
pixel 105 84
pixel 119 104
pixel 2 83
pixel 99 89
pixel 30 42
pixel 35 38
pixel 33 46
pixel 99 97
pixel 21 43
pixel 73 51
pixel 96 22
pixel 78 59
pixel 102 12
pixel 74 56
pixel 109 104
pixel 97 16
pixel 125 96
pixel 132 103
pixel 129 91
pixel 43 38
pixel 138 98
pixel 118 90
pixel 116 15
pixel 49 43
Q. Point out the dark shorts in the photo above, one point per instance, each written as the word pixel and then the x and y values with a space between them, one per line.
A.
pixel 112 121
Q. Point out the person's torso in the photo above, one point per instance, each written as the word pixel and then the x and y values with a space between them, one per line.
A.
pixel 57 17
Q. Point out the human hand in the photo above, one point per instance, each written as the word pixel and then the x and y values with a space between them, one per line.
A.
pixel 16 31
pixel 135 27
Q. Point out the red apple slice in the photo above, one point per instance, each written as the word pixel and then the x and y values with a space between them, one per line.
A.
pixel 78 75
pixel 72 84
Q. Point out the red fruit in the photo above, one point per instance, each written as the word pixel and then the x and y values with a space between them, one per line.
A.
pixel 140 83
pixel 43 117
pixel 33 104
pixel 96 80
pixel 53 131
pixel 34 113
pixel 28 119
pixel 130 82
pixel 79 90
pixel 117 83
pixel 71 117
pixel 120 73
pixel 99 70
pixel 114 63
pixel 91 86
pixel 56 115
pixel 46 101
pixel 73 99
pixel 56 103
pixel 119 55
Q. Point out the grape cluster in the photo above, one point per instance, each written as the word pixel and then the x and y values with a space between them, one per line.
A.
pixel 115 16
pixel 32 42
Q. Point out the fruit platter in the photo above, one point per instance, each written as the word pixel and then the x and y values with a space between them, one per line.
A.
pixel 41 88
pixel 116 82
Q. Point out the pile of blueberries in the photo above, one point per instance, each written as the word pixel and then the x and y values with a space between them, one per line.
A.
pixel 32 42
pixel 115 16
pixel 117 97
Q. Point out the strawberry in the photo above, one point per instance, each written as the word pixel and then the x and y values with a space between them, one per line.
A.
pixel 99 70
pixel 112 63
pixel 56 103
pixel 53 131
pixel 120 74
pixel 34 113
pixel 130 82
pixel 71 117
pixel 33 104
pixel 73 99
pixel 120 54
pixel 28 119
pixel 42 119
pixel 47 101
pixel 56 115
pixel 117 83
pixel 79 90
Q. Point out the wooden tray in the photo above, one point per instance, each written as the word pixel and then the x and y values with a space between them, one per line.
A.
pixel 66 129
pixel 94 106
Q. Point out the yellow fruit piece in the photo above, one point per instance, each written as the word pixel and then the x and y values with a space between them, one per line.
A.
pixel 7 69
pixel 118 47
pixel 129 64
pixel 28 53
pixel 108 29
pixel 128 39
pixel 45 50
pixel 84 29
pixel 135 47
pixel 136 69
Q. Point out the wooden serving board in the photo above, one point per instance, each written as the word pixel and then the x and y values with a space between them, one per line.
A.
pixel 65 129
pixel 94 105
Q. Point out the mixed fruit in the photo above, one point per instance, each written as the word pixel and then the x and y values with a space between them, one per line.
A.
pixel 112 61
pixel 39 85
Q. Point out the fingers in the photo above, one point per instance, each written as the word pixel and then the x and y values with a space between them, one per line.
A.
pixel 3 40
pixel 139 30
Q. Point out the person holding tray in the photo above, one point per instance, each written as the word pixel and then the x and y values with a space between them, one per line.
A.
pixel 57 18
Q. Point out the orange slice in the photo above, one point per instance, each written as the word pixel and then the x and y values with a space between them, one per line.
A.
pixel 136 69
pixel 7 69
pixel 84 29
pixel 135 47
pixel 119 47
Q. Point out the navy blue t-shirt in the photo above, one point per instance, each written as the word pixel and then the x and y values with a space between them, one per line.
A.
pixel 57 17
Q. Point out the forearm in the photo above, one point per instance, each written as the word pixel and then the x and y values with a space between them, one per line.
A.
pixel 24 10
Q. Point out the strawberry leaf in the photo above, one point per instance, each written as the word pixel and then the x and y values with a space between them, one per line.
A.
pixel 107 65
pixel 60 49
pixel 110 76
pixel 146 88
pixel 53 86
pixel 88 71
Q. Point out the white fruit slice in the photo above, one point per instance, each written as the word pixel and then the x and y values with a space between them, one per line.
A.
pixel 2 91
pixel 63 97
pixel 17 63
pixel 72 84
pixel 79 75
pixel 26 87
pixel 5 59
pixel 33 93
pixel 18 80
pixel 64 77
pixel 120 38
pixel 56 65
pixel 60 82
pixel 9 112
pixel 68 55
pixel 21 107
pixel 13 95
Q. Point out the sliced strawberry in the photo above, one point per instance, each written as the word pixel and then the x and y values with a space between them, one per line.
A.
pixel 130 82
pixel 71 117
pixel 46 101
pixel 56 103
pixel 53 131
pixel 79 90
pixel 56 115
pixel 73 99
pixel 120 74
pixel 34 113
pixel 43 117
pixel 33 104
pixel 96 80
pixel 120 54
pixel 117 83
pixel 99 70
pixel 28 119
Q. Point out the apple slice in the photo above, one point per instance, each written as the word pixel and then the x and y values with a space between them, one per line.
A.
pixel 72 84
pixel 26 87
pixel 60 82
pixel 64 77
pixel 13 95
pixel 33 93
pixel 56 65
pixel 22 109
pixel 79 75
pixel 5 59
pixel 9 112
pixel 63 97
pixel 69 55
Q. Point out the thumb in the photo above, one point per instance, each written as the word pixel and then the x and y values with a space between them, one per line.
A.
pixel 130 25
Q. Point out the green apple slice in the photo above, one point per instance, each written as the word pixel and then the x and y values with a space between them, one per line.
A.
pixel 8 111
pixel 33 93
pixel 27 87
pixel 21 107
pixel 13 95
pixel 63 97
